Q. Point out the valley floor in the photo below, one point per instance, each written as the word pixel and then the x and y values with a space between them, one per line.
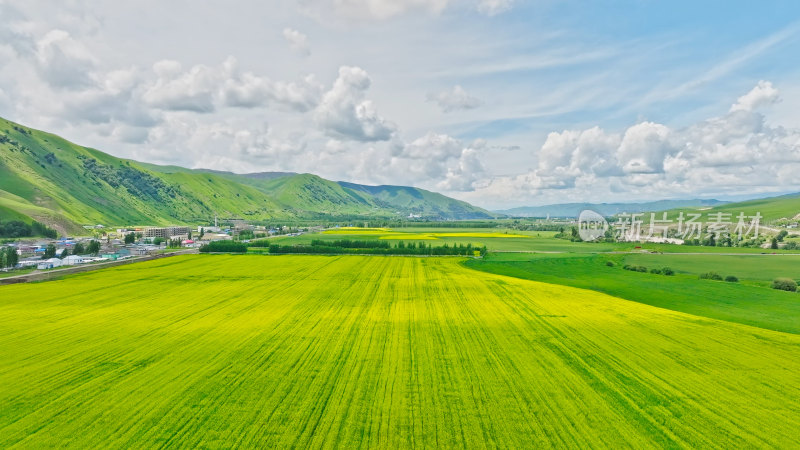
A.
pixel 358 351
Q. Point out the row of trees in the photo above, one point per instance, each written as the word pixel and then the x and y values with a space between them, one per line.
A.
pixel 92 248
pixel 367 248
pixel 224 247
pixel 8 257
pixel 710 240
pixel 18 229
pixel 348 243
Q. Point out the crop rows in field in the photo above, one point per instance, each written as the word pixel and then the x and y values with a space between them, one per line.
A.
pixel 357 351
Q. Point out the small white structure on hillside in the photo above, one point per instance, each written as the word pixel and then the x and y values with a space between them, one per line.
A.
pixel 71 260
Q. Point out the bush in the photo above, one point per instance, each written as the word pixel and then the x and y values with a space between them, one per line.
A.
pixel 711 276
pixel 655 271
pixel 784 284
pixel 667 271
pixel 642 269
pixel 610 263
pixel 731 279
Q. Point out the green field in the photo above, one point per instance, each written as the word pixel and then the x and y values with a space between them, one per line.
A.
pixel 315 351
pixel 759 268
pixel 509 240
pixel 750 303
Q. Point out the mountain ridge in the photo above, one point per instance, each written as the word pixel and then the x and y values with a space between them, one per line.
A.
pixel 46 178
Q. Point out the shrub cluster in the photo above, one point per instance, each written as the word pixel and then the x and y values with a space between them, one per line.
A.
pixel 717 277
pixel 224 247
pixel 711 276
pixel 784 284
pixel 634 268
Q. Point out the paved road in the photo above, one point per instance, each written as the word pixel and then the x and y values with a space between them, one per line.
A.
pixel 56 273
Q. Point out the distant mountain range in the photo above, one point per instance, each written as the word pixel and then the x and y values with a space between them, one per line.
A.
pixel 64 185
pixel 572 210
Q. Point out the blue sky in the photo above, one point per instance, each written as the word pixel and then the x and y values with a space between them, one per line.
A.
pixel 498 102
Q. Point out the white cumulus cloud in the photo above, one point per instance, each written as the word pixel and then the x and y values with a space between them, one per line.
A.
pixel 371 9
pixel 63 61
pixel 493 7
pixel 454 99
pixel 297 41
pixel 346 113
pixel 730 152
pixel 761 95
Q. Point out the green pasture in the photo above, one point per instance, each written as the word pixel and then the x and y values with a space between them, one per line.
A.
pixel 751 304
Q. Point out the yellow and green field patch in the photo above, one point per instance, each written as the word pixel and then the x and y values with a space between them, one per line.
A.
pixel 424 236
pixel 359 231
pixel 481 235
pixel 393 352
pixel 387 233
pixel 409 237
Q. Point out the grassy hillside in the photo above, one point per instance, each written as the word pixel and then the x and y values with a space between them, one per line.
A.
pixel 416 201
pixel 376 352
pixel 771 208
pixel 49 179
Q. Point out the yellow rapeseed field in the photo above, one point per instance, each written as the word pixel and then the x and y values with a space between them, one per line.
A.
pixel 392 352
pixel 386 233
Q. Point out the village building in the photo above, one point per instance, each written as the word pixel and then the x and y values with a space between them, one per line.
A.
pixel 72 260
pixel 173 232
pixel 49 264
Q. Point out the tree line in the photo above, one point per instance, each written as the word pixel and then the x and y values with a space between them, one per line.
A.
pixel 224 247
pixel 8 257
pixel 18 229
pixel 384 248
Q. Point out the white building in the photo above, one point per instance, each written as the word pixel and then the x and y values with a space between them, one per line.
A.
pixel 72 260
pixel 49 264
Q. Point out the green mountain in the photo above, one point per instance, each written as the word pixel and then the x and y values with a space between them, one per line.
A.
pixel 772 209
pixel 64 185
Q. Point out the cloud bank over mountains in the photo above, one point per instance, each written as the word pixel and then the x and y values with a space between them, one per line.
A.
pixel 463 132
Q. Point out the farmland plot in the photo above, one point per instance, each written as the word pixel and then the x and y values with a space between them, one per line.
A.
pixel 355 351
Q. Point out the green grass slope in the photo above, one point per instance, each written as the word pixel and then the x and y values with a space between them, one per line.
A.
pixel 418 201
pixel 49 179
pixel 771 208
pixel 374 352
pixel 750 302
